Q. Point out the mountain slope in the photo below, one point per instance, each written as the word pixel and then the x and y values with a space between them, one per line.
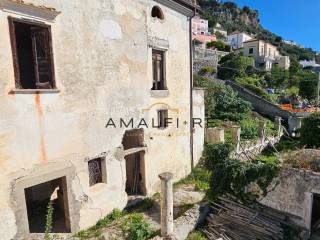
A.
pixel 232 18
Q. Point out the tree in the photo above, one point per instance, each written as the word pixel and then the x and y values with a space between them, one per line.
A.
pixel 294 69
pixel 246 10
pixel 219 35
pixel 308 82
pixel 310 131
pixel 278 77
pixel 234 65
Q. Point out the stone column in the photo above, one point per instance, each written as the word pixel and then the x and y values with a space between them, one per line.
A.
pixel 235 136
pixel 214 135
pixel 277 126
pixel 262 131
pixel 166 204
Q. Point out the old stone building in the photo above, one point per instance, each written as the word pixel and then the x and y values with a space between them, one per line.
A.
pixel 79 83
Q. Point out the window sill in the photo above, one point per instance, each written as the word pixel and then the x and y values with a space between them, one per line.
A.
pixel 34 91
pixel 159 93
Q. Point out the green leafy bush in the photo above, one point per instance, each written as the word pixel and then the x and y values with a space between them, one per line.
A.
pixel 310 131
pixel 249 128
pixel 197 235
pixel 208 70
pixel 136 228
pixel 232 176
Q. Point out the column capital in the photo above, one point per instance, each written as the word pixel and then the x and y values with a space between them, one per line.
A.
pixel 166 176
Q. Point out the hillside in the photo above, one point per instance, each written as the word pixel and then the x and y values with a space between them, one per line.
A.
pixel 232 18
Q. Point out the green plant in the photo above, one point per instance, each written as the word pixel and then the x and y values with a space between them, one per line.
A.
pixel 310 131
pixel 95 231
pixel 233 176
pixel 199 176
pixel 308 84
pixel 208 70
pixel 249 128
pixel 196 235
pixel 49 220
pixel 136 228
pixel 234 65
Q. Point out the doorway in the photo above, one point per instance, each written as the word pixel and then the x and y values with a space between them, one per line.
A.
pixel 135 169
pixel 37 199
pixel 315 217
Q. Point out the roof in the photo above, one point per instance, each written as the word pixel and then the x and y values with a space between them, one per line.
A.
pixel 238 32
pixel 191 4
pixel 253 40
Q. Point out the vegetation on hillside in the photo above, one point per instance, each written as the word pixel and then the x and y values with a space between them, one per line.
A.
pixel 233 18
pixel 223 104
pixel 294 81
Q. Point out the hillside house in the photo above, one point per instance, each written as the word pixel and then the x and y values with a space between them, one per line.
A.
pixel 236 39
pixel 265 54
pixel 200 32
pixel 86 91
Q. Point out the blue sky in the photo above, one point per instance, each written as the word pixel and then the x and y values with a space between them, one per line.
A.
pixel 296 20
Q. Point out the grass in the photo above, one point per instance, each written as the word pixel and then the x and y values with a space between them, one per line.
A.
pixel 199 176
pixel 132 225
pixel 95 231
pixel 197 235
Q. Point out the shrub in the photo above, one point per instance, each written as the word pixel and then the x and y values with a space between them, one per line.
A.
pixel 233 176
pixel 136 228
pixel 197 235
pixel 208 70
pixel 249 128
pixel 310 131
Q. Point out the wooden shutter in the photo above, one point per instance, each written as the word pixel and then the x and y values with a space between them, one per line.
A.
pixel 42 55
pixel 13 40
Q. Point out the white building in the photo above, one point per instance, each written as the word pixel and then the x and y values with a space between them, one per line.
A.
pixel 236 39
pixel 199 26
pixel 265 54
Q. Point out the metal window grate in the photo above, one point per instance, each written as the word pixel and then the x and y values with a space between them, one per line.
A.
pixel 95 171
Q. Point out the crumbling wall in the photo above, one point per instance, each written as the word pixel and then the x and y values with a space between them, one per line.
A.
pixel 291 193
pixel 102 57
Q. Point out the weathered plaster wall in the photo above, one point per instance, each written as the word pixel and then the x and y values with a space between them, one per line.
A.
pixel 292 193
pixel 102 59
pixel 199 116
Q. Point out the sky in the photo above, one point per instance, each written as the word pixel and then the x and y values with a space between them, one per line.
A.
pixel 297 20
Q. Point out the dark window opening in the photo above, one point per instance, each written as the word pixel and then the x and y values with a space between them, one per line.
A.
pixel 162 118
pixel 135 170
pixel 250 50
pixel 37 199
pixel 315 216
pixel 96 171
pixel 32 55
pixel 158 68
pixel 156 12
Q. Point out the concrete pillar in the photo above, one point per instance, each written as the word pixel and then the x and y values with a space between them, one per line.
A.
pixel 278 126
pixel 235 136
pixel 294 123
pixel 214 135
pixel 262 131
pixel 166 204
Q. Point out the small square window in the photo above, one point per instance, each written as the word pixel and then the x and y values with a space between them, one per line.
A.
pixel 250 50
pixel 162 119
pixel 97 172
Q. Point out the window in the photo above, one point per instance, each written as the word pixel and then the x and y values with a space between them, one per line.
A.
pixel 250 50
pixel 156 12
pixel 162 118
pixel 32 54
pixel 158 68
pixel 96 171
